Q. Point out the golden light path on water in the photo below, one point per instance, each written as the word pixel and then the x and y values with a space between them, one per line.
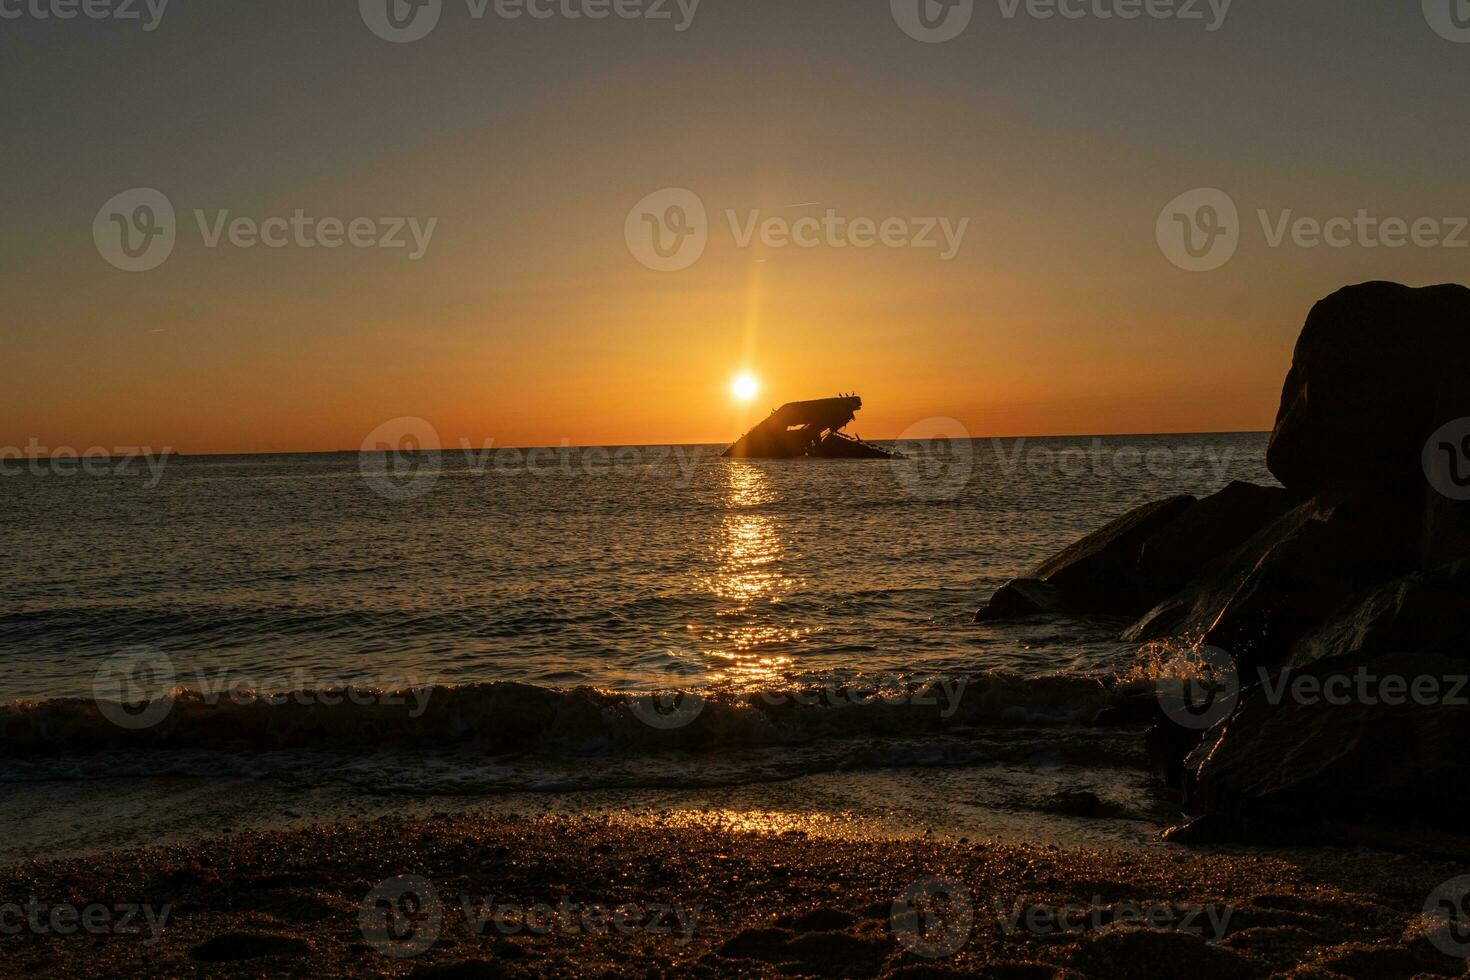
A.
pixel 750 577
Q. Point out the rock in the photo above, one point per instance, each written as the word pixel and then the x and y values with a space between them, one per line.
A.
pixel 1446 534
pixel 1260 598
pixel 1075 803
pixel 1106 561
pixel 1427 612
pixel 1168 744
pixel 757 944
pixel 1134 704
pixel 1022 597
pixel 1137 952
pixel 1319 747
pixel 1362 960
pixel 1207 530
pixel 1377 369
pixel 1097 574
pixel 820 953
pixel 823 920
pixel 230 947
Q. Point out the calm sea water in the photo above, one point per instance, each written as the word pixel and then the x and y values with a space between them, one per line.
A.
pixel 617 569
pixel 531 600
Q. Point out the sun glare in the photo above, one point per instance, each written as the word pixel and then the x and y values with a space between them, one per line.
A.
pixel 745 387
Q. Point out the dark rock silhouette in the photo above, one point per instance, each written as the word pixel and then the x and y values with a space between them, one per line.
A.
pixel 1023 597
pixel 1357 568
pixel 1327 752
pixel 1099 561
pixel 1098 573
pixel 1425 611
pixel 1377 369
pixel 1259 598
pixel 1209 529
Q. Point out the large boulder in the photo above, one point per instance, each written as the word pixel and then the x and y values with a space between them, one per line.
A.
pixel 1428 612
pixel 1378 741
pixel 1377 369
pixel 1022 597
pixel 1109 555
pixel 1209 529
pixel 1099 573
pixel 1446 533
pixel 1261 597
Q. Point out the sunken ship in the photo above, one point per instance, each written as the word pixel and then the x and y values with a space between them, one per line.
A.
pixel 813 429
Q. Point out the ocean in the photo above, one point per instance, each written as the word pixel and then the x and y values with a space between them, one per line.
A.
pixel 328 629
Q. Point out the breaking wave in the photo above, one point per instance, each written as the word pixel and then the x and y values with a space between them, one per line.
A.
pixel 931 719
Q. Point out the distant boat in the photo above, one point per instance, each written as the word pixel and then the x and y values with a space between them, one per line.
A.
pixel 809 430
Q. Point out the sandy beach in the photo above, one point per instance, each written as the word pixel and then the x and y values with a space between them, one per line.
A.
pixel 656 896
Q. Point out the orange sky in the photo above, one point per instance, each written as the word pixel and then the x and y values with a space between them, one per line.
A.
pixel 529 322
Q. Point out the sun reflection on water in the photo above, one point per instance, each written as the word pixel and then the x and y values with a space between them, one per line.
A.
pixel 751 648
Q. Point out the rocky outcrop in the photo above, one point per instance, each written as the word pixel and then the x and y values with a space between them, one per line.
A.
pixel 1262 596
pixel 1377 369
pixel 1097 573
pixel 1339 741
pixel 1212 527
pixel 1343 600
pixel 1427 612
pixel 1148 553
pixel 1097 562
pixel 1023 597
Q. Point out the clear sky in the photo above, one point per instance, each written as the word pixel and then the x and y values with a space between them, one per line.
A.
pixel 529 319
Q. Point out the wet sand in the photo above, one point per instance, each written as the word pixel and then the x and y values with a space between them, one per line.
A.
pixel 664 894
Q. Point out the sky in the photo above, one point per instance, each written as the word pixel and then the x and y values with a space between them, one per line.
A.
pixel 532 313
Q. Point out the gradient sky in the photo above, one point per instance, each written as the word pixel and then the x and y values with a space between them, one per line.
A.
pixel 529 322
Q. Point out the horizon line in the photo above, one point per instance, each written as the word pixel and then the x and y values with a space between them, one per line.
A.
pixel 172 452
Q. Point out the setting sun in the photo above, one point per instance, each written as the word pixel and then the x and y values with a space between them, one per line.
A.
pixel 745 387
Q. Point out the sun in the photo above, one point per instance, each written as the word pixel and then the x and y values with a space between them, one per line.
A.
pixel 745 387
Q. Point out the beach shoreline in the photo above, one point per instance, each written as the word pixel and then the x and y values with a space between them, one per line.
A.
pixel 657 895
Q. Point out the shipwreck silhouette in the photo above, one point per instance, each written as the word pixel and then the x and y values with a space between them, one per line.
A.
pixel 810 429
